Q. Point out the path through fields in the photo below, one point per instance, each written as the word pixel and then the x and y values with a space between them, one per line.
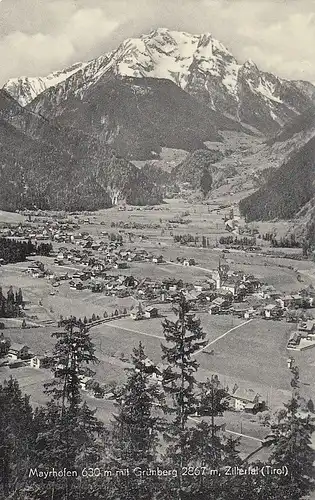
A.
pixel 221 336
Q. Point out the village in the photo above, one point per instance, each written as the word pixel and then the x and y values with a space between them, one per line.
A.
pixel 121 285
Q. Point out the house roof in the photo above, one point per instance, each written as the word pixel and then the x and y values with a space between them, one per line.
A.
pixel 151 308
pixel 218 301
pixel 270 307
pixel 17 347
pixel 297 297
pixel 249 406
pixel 307 325
pixel 294 336
pixel 245 394
pixel 223 291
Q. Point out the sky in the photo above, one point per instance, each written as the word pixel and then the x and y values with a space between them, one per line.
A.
pixel 40 36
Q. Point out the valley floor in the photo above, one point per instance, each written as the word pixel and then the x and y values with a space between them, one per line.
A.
pixel 251 353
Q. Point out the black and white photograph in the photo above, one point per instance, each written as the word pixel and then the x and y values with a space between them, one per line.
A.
pixel 157 250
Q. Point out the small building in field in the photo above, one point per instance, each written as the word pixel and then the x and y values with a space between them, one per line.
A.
pixel 307 327
pixel 37 362
pixel 151 312
pixel 272 311
pixel 158 260
pixel 242 310
pixel 294 341
pixel 84 381
pixel 221 302
pixel 189 262
pixel 157 375
pixel 214 309
pixel 18 351
pixel 121 264
pixel 246 400
pixel 297 300
pixel 136 315
pixel 147 365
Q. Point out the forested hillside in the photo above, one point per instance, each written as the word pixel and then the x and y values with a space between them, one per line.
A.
pixel 286 191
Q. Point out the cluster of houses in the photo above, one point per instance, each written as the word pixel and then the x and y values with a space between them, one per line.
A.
pixel 222 292
pixel 245 295
pixel 59 230
pixel 99 256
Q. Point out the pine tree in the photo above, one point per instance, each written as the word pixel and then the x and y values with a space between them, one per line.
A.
pixel 15 437
pixel 19 297
pixel 2 304
pixel 135 432
pixel 70 435
pixel 293 448
pixel 206 181
pixel 10 305
pixel 310 406
pixel 184 338
pixel 210 448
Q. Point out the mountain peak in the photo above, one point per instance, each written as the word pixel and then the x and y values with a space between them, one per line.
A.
pixel 250 65
pixel 26 88
pixel 197 63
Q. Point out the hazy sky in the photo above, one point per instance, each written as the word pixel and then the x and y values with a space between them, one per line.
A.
pixel 38 36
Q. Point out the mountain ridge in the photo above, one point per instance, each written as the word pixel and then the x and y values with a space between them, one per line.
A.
pixel 204 68
pixel 47 166
pixel 25 89
pixel 296 177
pixel 137 116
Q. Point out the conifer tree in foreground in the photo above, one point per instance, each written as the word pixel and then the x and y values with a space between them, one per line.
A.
pixel 135 433
pixel 211 449
pixel 15 437
pixel 184 338
pixel 69 431
pixel 293 448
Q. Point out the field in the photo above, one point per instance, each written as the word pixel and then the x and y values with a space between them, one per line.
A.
pixel 251 354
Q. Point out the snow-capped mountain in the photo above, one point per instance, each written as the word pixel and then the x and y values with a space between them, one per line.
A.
pixel 25 89
pixel 201 66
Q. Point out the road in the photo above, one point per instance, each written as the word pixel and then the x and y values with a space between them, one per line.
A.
pixel 160 337
pixel 221 337
pixel 193 267
pixel 239 434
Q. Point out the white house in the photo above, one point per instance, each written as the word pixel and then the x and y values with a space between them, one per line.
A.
pixel 245 399
pixel 36 362
pixel 83 381
pixel 151 312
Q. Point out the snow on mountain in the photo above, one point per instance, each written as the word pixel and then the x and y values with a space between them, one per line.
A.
pixel 199 64
pixel 206 69
pixel 172 55
pixel 26 89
